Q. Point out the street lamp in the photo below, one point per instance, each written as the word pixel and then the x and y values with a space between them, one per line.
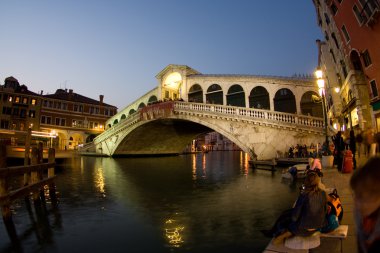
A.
pixel 321 90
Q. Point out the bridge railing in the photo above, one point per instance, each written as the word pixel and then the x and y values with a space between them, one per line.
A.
pixel 251 113
pixel 233 111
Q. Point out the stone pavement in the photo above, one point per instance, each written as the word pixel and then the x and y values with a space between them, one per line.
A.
pixel 334 179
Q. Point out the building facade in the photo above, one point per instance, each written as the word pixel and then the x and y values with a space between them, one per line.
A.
pixel 20 107
pixel 73 118
pixel 350 58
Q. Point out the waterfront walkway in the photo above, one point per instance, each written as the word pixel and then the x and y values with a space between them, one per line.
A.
pixel 333 179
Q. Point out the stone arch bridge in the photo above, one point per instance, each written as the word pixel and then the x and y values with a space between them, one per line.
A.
pixel 167 127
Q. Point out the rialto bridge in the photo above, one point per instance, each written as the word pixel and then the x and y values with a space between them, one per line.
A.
pixel 261 114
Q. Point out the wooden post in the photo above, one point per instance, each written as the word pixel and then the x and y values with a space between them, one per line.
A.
pixel 34 174
pixel 51 159
pixel 26 155
pixel 5 207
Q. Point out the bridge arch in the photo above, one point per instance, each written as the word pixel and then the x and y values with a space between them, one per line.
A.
pixel 123 117
pixel 214 94
pixel 195 94
pixel 285 101
pixel 132 111
pixel 310 106
pixel 236 96
pixel 152 99
pixel 259 98
pixel 141 105
pixel 115 121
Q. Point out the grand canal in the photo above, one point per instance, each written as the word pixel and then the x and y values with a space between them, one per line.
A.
pixel 210 202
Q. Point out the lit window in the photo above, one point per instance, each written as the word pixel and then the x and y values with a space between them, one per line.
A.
pixel 33 102
pixel 17 100
pixel 25 100
pixel 10 98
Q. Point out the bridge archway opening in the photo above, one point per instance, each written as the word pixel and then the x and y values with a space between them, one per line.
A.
pixel 109 126
pixel 132 111
pixel 115 121
pixel 171 86
pixel 311 104
pixel 152 99
pixel 259 98
pixel 285 101
pixel 141 105
pixel 236 96
pixel 195 94
pixel 214 95
pixel 161 136
pixel 123 117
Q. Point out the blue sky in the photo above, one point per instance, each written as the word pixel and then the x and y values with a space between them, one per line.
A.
pixel 116 48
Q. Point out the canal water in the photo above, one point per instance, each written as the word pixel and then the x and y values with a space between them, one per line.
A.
pixel 211 202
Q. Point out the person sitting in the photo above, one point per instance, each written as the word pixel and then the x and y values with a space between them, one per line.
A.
pixel 315 165
pixel 306 217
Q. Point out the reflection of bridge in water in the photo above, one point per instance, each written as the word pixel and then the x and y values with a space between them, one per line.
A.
pixel 274 116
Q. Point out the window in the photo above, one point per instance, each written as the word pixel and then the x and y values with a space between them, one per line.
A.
pixel 7 110
pixel 81 108
pixel 45 120
pixel 332 55
pixel 64 106
pixel 166 94
pixel 97 110
pixel 92 110
pixel 344 69
pixel 345 33
pixel 327 18
pixel 10 98
pixel 334 9
pixel 106 111
pixel 45 103
pixel 22 113
pixel 358 15
pixel 17 100
pixel 51 104
pixel 335 40
pixel 57 121
pixel 25 101
pixel 33 101
pixel 32 113
pixel 366 58
pixel 16 111
pixel 327 36
pixel 75 108
pixel 375 93
pixel 63 122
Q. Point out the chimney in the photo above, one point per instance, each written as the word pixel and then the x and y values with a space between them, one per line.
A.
pixel 42 92
pixel 101 98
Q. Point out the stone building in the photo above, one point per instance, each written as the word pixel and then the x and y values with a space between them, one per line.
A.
pixel 73 118
pixel 350 59
pixel 20 107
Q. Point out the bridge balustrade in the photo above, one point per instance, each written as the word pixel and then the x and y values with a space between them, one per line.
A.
pixel 287 118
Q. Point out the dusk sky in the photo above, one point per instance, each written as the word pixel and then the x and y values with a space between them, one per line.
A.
pixel 116 48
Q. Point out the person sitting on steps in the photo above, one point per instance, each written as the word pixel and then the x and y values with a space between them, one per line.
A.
pixel 306 217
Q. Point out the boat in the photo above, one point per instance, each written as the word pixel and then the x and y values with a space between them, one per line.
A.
pixel 300 168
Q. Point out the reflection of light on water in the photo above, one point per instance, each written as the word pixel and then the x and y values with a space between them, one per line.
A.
pixel 194 166
pixel 204 165
pixel 244 164
pixel 173 233
pixel 99 181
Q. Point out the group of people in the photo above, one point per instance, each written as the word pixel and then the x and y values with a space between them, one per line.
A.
pixel 301 151
pixel 313 211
